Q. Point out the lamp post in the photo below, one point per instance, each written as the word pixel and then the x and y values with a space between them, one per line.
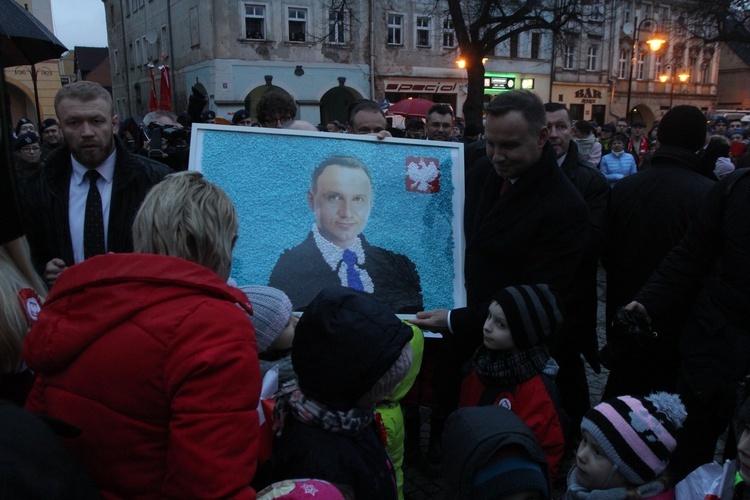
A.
pixel 34 72
pixel 683 77
pixel 654 44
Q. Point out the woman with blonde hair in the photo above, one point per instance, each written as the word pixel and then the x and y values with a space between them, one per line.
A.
pixel 152 355
pixel 21 296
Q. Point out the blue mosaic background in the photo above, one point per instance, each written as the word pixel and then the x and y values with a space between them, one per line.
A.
pixel 268 176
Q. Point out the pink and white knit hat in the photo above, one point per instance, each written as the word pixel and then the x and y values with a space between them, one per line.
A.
pixel 637 434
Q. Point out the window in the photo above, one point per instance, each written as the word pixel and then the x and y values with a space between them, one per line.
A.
pixel 146 51
pixel 423 32
pixel 706 73
pixel 514 46
pixel 647 14
pixel 138 59
pixel 664 14
pixel 626 13
pixel 568 56
pixel 536 41
pixel 449 34
pixel 658 63
pixel 134 5
pixel 195 29
pixel 164 40
pixel 639 66
pixel 336 33
pixel 297 24
pixel 591 58
pixel 132 55
pixel 395 29
pixel 623 64
pixel 693 68
pixel 255 22
pixel 117 62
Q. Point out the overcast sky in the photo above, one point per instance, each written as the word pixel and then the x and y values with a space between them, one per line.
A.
pixel 80 22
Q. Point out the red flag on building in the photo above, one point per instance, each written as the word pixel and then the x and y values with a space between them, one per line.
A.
pixel 165 94
pixel 153 105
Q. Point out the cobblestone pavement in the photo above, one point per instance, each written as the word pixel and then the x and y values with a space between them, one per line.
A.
pixel 423 482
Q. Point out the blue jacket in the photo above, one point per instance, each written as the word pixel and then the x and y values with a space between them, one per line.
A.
pixel 615 168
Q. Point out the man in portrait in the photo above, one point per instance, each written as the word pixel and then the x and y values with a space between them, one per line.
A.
pixel 336 252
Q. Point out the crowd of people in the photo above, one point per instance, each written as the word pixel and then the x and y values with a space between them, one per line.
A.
pixel 144 368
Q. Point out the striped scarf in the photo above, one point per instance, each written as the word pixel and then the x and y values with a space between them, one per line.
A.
pixel 509 367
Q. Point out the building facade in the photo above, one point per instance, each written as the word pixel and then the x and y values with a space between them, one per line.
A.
pixel 19 80
pixel 327 54
pixel 608 65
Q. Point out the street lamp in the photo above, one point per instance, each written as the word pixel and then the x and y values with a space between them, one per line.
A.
pixel 35 72
pixel 683 77
pixel 653 43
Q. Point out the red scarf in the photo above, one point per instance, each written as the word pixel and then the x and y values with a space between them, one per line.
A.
pixel 642 149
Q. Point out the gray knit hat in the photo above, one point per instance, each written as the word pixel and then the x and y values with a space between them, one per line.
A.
pixel 532 313
pixel 271 312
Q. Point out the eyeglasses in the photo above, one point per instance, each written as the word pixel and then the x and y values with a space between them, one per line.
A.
pixel 31 149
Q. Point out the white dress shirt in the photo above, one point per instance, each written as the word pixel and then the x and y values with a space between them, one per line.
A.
pixel 79 191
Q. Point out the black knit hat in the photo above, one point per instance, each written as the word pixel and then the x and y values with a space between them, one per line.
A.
pixel 24 140
pixel 532 313
pixel 683 127
pixel 344 343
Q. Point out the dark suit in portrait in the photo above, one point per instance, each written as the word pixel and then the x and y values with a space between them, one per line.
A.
pixel 303 271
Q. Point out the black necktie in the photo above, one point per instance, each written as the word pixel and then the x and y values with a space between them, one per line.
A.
pixel 93 224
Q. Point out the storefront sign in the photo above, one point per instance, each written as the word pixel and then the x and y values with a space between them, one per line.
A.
pixel 434 88
pixel 588 95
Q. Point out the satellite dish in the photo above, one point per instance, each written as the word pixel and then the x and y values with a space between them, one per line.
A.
pixel 628 28
pixel 151 37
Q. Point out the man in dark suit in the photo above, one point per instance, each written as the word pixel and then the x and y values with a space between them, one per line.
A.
pixel 524 223
pixel 336 253
pixel 83 202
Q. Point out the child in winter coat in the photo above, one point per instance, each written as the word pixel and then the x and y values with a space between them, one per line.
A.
pixel 625 447
pixel 513 367
pixel 349 351
pixel 274 329
pixel 728 482
pixel 617 164
pixel 491 453
pixel 390 413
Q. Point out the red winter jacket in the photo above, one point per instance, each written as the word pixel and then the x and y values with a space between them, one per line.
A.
pixel 529 400
pixel 154 359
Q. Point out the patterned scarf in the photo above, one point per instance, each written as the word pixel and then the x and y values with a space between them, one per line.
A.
pixel 290 399
pixel 509 367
